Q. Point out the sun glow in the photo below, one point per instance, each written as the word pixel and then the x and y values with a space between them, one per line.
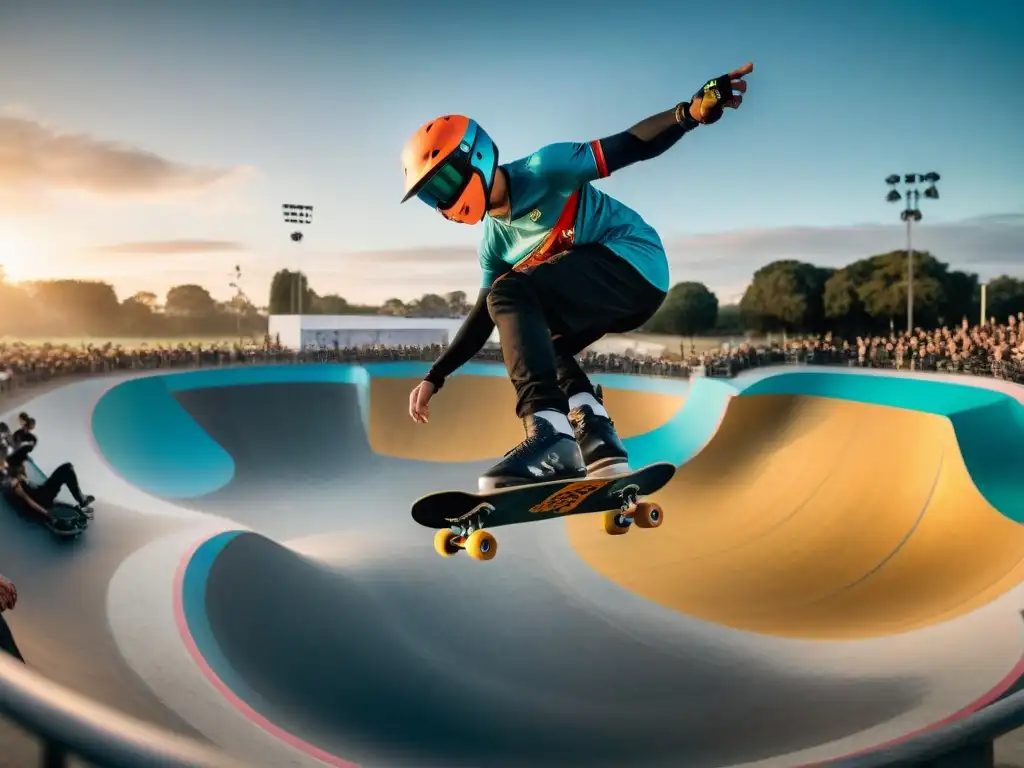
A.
pixel 21 258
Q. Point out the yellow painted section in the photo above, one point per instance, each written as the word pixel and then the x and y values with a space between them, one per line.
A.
pixel 815 518
pixel 474 418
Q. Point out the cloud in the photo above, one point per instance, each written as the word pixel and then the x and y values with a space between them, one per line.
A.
pixel 425 255
pixel 37 159
pixel 996 239
pixel 170 247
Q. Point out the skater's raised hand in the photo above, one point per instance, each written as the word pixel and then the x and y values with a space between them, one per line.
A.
pixel 8 595
pixel 419 398
pixel 709 103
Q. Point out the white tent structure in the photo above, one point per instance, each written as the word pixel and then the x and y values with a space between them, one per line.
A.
pixel 305 331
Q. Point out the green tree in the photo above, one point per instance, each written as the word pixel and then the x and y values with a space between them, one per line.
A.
pixel 284 294
pixel 146 299
pixel 457 305
pixel 77 307
pixel 730 320
pixel 189 301
pixel 786 296
pixel 1005 297
pixel 961 298
pixel 19 315
pixel 430 305
pixel 332 304
pixel 395 307
pixel 688 310
pixel 885 293
pixel 137 316
pixel 871 293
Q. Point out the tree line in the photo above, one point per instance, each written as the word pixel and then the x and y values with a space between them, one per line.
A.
pixel 867 296
pixel 291 294
pixel 68 308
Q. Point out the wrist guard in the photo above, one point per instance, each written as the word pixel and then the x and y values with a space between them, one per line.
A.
pixel 713 96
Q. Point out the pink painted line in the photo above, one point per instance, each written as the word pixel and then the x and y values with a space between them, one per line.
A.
pixel 290 739
pixel 1001 687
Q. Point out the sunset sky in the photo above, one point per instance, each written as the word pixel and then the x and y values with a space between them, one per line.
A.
pixel 152 143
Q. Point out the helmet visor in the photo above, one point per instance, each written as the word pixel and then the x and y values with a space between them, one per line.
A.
pixel 447 183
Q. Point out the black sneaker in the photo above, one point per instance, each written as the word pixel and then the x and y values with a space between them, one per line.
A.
pixel 544 455
pixel 603 451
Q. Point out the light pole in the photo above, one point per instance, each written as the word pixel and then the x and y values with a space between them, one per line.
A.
pixel 301 215
pixel 236 283
pixel 910 214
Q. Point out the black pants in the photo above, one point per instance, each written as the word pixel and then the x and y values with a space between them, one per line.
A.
pixel 44 495
pixel 547 315
pixel 7 643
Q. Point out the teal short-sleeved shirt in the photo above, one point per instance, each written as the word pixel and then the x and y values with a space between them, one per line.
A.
pixel 555 206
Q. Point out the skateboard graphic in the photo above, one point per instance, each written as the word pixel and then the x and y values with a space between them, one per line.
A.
pixel 461 517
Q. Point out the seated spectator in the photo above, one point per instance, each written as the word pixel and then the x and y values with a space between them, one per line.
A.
pixel 25 435
pixel 29 498
pixel 6 440
pixel 8 599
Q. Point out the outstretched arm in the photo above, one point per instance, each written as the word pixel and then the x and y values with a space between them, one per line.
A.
pixel 651 137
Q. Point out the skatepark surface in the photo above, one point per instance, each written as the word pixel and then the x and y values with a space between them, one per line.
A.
pixel 838 574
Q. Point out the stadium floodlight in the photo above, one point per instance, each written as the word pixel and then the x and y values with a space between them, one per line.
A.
pixel 297 214
pixel 301 215
pixel 911 213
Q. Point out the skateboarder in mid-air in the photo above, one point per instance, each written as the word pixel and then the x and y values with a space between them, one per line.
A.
pixel 563 265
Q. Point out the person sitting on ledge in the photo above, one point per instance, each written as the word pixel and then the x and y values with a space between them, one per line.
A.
pixel 25 435
pixel 31 498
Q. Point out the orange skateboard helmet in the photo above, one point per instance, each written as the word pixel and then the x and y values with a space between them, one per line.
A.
pixel 449 164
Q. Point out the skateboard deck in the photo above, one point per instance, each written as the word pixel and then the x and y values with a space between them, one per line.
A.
pixel 461 517
pixel 67 523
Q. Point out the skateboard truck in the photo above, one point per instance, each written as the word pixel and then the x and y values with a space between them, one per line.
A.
pixel 628 498
pixel 473 520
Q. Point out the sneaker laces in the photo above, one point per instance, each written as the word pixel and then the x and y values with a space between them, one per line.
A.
pixel 527 445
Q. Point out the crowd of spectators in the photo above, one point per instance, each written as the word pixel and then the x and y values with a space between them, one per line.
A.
pixel 994 349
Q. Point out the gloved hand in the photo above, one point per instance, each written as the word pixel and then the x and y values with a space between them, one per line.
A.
pixel 709 103
pixel 8 595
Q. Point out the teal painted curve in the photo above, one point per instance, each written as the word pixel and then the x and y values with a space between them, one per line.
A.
pixel 992 442
pixel 152 442
pixel 989 425
pixel 691 427
pixel 943 398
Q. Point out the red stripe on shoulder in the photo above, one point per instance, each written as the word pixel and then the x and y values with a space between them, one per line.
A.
pixel 602 164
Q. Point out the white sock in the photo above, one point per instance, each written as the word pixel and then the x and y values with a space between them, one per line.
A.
pixel 557 420
pixel 585 398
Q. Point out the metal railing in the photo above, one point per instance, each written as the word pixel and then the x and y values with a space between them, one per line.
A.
pixel 71 725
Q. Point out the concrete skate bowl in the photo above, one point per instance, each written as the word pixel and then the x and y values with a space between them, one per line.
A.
pixel 838 572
